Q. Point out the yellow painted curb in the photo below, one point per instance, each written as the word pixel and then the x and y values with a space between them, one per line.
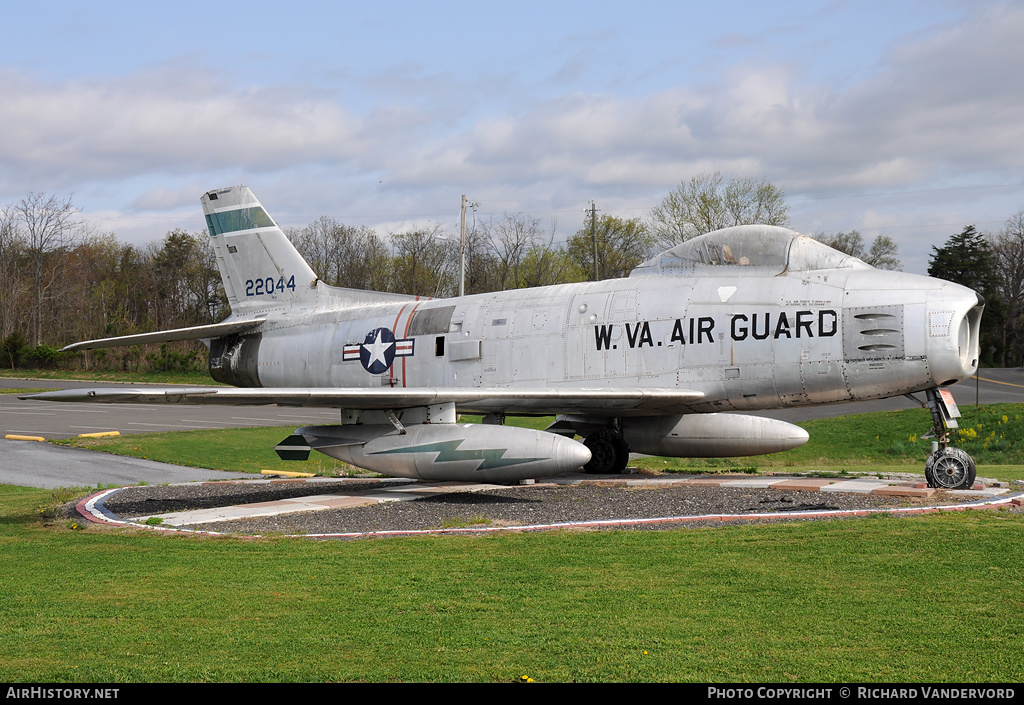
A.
pixel 15 437
pixel 287 474
pixel 101 434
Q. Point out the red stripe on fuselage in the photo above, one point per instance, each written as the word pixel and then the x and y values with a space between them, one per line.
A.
pixel 391 370
pixel 408 321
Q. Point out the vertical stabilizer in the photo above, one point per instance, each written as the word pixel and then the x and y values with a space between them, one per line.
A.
pixel 257 262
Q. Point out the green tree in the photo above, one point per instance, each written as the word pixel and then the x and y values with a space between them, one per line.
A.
pixel 544 265
pixel 621 246
pixel 707 202
pixel 967 258
pixel 882 254
pixel 186 287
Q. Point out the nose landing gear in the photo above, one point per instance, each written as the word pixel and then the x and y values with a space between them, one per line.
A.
pixel 947 468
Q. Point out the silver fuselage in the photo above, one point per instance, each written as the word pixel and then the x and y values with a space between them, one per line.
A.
pixel 745 338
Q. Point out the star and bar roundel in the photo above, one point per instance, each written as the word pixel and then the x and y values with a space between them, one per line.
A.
pixel 378 351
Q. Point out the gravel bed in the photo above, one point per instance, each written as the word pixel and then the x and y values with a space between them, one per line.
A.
pixel 512 506
pixel 146 500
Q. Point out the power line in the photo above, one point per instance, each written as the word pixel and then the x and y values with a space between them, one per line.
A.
pixel 875 194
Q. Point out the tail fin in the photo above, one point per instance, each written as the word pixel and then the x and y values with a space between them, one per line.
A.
pixel 257 262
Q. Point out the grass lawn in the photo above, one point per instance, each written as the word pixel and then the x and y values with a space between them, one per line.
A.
pixel 928 598
pixel 198 378
pixel 234 449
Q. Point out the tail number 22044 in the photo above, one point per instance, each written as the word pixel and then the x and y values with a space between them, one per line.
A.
pixel 269 285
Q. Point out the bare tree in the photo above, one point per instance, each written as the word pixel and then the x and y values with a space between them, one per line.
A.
pixel 706 203
pixel 344 255
pixel 510 239
pixel 755 201
pixel 12 283
pixel 48 225
pixel 481 264
pixel 423 263
pixel 852 243
pixel 881 255
pixel 1008 249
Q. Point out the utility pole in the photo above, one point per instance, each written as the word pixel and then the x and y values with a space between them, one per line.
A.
pixel 593 234
pixel 462 249
pixel 462 246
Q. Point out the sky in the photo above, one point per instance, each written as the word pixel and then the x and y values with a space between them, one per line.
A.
pixel 899 118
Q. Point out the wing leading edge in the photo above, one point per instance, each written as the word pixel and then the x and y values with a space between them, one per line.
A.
pixel 572 400
pixel 215 330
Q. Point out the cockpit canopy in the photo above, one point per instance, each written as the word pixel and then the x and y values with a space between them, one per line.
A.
pixel 767 248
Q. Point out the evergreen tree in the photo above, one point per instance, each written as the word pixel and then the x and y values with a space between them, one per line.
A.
pixel 967 258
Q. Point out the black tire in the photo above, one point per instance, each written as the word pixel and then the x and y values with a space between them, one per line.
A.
pixel 950 469
pixel 609 452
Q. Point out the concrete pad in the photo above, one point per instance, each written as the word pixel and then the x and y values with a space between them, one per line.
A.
pixel 808 485
pixel 271 503
pixel 988 492
pixel 345 502
pixel 417 489
pixel 899 491
pixel 243 511
pixel 859 486
pixel 753 484
pixel 393 496
pixel 313 498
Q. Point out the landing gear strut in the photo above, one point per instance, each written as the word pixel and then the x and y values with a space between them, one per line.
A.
pixel 609 452
pixel 947 468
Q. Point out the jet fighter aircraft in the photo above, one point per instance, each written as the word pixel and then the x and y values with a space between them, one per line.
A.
pixel 746 318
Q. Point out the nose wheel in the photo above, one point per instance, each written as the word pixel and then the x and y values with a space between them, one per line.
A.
pixel 950 469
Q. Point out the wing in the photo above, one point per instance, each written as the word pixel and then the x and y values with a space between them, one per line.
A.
pixel 215 330
pixel 557 400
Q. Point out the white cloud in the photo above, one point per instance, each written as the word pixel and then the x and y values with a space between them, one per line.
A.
pixel 146 123
pixel 944 107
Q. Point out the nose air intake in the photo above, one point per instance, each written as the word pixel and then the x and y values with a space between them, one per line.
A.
pixel 969 337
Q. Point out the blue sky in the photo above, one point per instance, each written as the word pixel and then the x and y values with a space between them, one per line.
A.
pixel 902 118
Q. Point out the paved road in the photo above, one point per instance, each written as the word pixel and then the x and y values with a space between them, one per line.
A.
pixel 63 420
pixel 43 465
pixel 35 464
pixel 32 464
pixel 995 386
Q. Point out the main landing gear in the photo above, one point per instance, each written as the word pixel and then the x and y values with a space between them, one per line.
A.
pixel 947 468
pixel 608 450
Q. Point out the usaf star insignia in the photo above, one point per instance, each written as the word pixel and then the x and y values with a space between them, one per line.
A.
pixel 378 351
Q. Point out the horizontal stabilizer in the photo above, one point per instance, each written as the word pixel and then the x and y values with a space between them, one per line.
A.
pixel 215 330
pixel 542 401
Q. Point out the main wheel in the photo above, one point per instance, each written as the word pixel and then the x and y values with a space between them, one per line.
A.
pixel 608 450
pixel 950 469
